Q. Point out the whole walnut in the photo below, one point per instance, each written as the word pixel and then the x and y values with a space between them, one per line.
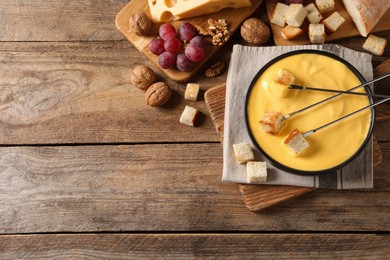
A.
pixel 140 23
pixel 255 31
pixel 157 94
pixel 142 77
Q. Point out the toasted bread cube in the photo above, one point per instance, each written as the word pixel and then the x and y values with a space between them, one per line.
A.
pixel 325 5
pixel 192 91
pixel 333 22
pixel 374 44
pixel 256 172
pixel 317 33
pixel 313 15
pixel 277 16
pixel 296 141
pixel 284 77
pixel 295 15
pixel 243 152
pixel 290 33
pixel 271 122
pixel 189 115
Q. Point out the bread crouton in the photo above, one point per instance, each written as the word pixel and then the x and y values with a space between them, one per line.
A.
pixel 290 33
pixel 313 15
pixel 256 172
pixel 271 122
pixel 243 152
pixel 189 115
pixel 295 15
pixel 333 22
pixel 191 92
pixel 325 6
pixel 374 44
pixel 317 33
pixel 296 141
pixel 277 16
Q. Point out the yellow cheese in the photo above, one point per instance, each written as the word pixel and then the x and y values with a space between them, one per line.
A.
pixel 168 10
pixel 328 147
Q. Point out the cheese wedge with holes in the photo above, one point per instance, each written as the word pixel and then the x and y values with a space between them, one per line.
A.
pixel 168 10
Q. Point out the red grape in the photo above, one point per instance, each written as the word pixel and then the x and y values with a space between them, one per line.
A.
pixel 183 63
pixel 167 60
pixel 198 40
pixel 194 52
pixel 172 45
pixel 166 31
pixel 157 46
pixel 186 32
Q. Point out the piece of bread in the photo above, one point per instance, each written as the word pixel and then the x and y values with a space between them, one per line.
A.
pixel 313 15
pixel 317 33
pixel 333 22
pixel 243 152
pixel 296 141
pixel 325 5
pixel 291 33
pixel 374 44
pixel 191 92
pixel 256 172
pixel 189 115
pixel 284 77
pixel 295 15
pixel 366 13
pixel 271 122
pixel 277 16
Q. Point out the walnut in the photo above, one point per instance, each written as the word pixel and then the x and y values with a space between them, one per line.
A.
pixel 255 31
pixel 140 23
pixel 157 94
pixel 217 30
pixel 215 69
pixel 142 77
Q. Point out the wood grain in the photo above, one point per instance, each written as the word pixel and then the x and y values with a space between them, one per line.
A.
pixel 348 29
pixel 149 188
pixel 61 20
pixel 194 246
pixel 233 17
pixel 81 93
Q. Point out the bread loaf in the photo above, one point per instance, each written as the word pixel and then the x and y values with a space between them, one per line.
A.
pixel 366 13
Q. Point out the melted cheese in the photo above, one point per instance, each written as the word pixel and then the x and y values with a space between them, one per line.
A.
pixel 330 146
pixel 168 10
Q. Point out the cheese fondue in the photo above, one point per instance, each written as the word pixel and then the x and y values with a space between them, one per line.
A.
pixel 330 146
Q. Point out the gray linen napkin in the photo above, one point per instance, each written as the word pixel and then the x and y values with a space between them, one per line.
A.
pixel 245 63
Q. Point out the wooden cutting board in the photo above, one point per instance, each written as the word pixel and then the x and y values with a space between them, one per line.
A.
pixel 348 29
pixel 233 17
pixel 259 197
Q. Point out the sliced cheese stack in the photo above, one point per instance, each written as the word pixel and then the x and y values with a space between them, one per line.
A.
pixel 168 10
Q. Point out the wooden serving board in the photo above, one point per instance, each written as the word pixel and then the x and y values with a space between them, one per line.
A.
pixel 258 197
pixel 348 29
pixel 233 17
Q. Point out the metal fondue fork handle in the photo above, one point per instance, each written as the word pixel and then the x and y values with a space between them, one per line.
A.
pixel 332 97
pixel 293 86
pixel 344 117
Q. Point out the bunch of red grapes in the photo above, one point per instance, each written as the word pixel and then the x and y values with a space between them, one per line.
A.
pixel 169 47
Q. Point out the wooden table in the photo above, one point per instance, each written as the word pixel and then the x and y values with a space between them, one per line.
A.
pixel 87 170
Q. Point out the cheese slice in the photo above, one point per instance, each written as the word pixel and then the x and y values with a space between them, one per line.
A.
pixel 168 10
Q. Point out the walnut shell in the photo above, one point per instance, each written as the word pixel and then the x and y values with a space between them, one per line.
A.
pixel 140 23
pixel 142 77
pixel 255 31
pixel 157 94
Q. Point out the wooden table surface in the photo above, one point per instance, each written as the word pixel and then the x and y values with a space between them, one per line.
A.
pixel 87 170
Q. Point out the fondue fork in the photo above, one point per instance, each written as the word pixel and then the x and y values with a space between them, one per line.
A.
pixel 332 97
pixel 343 117
pixel 293 86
